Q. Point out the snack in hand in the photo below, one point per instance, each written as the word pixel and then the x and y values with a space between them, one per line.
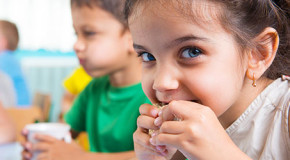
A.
pixel 159 106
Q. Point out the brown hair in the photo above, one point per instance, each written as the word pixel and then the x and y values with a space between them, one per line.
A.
pixel 115 7
pixel 10 32
pixel 246 19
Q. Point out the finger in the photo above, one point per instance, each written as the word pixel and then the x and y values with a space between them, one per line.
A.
pixel 161 148
pixel 24 133
pixel 165 114
pixel 172 127
pixel 45 138
pixel 40 146
pixel 164 153
pixel 146 122
pixel 42 156
pixel 156 150
pixel 171 140
pixel 181 109
pixel 27 146
pixel 149 110
pixel 26 155
pixel 142 139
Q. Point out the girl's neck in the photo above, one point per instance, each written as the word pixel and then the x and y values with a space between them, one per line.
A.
pixel 247 96
pixel 129 74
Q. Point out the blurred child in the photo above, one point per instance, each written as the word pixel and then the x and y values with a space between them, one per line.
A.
pixel 7 127
pixel 7 92
pixel 9 64
pixel 107 109
pixel 215 66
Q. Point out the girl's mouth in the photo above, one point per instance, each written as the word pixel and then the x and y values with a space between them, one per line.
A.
pixel 166 103
pixel 195 101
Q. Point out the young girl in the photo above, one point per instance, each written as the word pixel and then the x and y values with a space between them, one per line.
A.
pixel 107 109
pixel 215 65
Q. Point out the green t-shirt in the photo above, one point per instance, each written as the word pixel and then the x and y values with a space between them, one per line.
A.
pixel 108 114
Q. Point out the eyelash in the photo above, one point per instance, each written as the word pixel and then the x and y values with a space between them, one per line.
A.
pixel 192 48
pixel 191 56
pixel 140 54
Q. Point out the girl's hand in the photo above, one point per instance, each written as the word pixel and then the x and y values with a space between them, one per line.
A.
pixel 198 134
pixel 142 146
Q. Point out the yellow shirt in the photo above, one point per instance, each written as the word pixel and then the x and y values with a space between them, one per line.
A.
pixel 77 81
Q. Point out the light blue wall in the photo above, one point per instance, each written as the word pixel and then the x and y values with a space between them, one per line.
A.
pixel 45 71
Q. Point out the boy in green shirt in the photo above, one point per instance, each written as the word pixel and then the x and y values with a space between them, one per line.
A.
pixel 108 107
pixel 109 114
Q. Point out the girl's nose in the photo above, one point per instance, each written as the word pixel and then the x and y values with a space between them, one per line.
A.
pixel 79 46
pixel 165 80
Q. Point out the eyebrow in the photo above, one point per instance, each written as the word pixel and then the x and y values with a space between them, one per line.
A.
pixel 186 38
pixel 137 46
pixel 176 41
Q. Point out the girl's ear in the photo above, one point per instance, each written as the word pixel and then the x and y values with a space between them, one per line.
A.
pixel 261 57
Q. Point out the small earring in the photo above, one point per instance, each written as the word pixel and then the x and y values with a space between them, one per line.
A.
pixel 254 81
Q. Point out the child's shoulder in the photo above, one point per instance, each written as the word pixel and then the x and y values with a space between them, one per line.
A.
pixel 283 99
pixel 278 92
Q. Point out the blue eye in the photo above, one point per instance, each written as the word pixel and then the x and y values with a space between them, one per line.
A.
pixel 190 52
pixel 146 57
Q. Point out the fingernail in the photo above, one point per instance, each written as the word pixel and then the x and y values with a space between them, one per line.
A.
pixel 160 149
pixel 158 121
pixel 154 134
pixel 154 112
pixel 160 112
pixel 164 153
pixel 152 141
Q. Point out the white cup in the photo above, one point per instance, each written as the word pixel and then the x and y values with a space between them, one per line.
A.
pixel 57 130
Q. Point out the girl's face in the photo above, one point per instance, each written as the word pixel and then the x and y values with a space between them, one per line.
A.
pixel 100 47
pixel 185 60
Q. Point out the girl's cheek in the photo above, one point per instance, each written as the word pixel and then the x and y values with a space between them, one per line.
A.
pixel 148 91
pixel 147 86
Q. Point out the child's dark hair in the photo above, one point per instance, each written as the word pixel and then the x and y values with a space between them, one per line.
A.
pixel 115 7
pixel 246 19
pixel 10 32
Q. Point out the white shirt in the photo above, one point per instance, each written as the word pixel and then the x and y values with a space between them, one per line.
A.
pixel 262 130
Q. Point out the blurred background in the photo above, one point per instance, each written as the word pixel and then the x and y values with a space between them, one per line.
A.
pixel 45 47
